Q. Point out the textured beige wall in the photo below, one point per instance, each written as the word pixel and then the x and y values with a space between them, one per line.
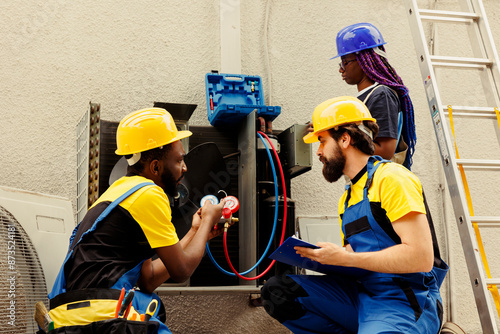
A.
pixel 57 55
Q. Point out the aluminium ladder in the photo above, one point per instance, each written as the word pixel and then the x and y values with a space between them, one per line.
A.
pixel 485 61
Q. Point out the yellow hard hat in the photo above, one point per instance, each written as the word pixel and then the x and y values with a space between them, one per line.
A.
pixel 335 112
pixel 146 129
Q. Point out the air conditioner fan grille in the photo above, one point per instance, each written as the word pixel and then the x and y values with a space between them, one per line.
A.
pixel 21 276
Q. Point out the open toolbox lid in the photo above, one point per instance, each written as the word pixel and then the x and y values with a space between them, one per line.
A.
pixel 230 97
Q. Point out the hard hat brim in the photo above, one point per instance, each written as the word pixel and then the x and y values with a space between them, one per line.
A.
pixel 182 135
pixel 310 138
pixel 313 136
pixel 357 50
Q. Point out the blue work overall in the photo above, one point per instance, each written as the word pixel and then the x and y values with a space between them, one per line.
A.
pixel 128 280
pixel 375 302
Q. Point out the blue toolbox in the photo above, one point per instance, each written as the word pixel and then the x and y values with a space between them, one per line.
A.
pixel 231 97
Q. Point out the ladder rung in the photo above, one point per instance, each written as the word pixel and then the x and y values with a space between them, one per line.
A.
pixel 468 108
pixel 479 163
pixel 447 16
pixel 463 62
pixel 492 281
pixel 464 111
pixel 486 221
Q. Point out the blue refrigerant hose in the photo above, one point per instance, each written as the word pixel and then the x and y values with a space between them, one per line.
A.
pixel 274 224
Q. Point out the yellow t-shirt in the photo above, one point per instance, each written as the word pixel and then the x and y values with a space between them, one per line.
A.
pixel 149 207
pixel 124 239
pixel 394 192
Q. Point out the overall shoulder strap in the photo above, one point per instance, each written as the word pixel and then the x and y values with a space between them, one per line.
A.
pixel 110 207
pixel 348 196
pixel 371 168
pixel 60 282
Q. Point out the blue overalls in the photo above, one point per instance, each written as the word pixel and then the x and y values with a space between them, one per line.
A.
pixel 64 302
pixel 375 302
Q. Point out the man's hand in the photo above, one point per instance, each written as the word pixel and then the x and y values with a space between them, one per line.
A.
pixel 195 224
pixel 310 127
pixel 413 254
pixel 328 253
pixel 208 214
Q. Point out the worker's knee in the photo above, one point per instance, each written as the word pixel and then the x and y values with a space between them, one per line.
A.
pixel 279 296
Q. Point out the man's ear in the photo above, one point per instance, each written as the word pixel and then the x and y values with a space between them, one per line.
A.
pixel 344 140
pixel 154 167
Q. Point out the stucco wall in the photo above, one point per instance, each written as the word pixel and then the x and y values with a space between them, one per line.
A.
pixel 57 55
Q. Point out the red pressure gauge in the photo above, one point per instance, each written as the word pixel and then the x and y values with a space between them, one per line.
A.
pixel 232 203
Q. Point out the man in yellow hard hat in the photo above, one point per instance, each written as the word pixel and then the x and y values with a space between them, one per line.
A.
pixel 113 246
pixel 385 233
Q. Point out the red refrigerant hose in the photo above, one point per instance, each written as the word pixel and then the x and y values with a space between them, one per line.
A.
pixel 284 221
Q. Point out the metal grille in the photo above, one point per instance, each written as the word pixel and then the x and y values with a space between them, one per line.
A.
pixel 87 158
pixel 21 276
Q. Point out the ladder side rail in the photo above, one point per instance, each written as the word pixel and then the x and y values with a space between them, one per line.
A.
pixel 457 192
pixel 483 47
pixel 493 94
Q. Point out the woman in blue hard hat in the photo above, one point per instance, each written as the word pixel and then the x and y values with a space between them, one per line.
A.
pixel 364 64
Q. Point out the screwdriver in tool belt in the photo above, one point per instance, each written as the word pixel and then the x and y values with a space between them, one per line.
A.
pixel 151 309
pixel 120 300
pixel 126 304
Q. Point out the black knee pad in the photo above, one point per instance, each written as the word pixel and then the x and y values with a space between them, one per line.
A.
pixel 279 296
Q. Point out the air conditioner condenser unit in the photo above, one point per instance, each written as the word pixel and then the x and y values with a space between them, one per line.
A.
pixel 34 235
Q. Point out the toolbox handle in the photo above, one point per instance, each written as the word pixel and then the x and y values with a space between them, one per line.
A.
pixel 229 78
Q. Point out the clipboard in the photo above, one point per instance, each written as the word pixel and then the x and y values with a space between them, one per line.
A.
pixel 287 254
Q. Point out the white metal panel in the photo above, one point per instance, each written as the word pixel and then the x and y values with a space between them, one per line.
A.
pixel 48 220
pixel 320 229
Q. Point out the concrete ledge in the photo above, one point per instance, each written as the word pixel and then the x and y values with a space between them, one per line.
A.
pixel 206 290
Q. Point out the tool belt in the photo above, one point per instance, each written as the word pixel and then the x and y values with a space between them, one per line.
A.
pixel 90 311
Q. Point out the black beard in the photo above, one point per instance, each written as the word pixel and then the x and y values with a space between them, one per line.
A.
pixel 333 169
pixel 169 184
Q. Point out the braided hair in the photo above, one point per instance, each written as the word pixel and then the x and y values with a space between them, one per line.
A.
pixel 379 70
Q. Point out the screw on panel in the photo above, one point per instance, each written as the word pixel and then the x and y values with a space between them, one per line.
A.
pixel 461 220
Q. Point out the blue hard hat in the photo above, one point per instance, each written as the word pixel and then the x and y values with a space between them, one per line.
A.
pixel 357 37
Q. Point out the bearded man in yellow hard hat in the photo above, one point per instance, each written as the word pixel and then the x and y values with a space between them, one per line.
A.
pixel 112 248
pixel 386 235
